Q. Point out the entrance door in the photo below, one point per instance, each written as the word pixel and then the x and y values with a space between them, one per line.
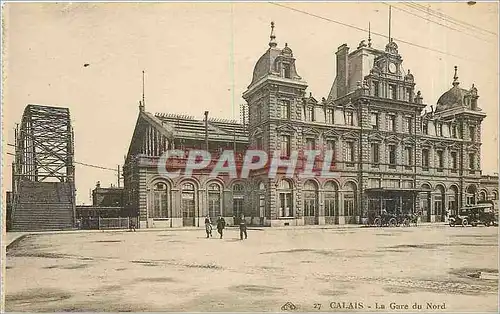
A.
pixel 237 209
pixel 310 203
pixel 188 205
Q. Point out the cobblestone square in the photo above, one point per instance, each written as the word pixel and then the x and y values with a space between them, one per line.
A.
pixel 337 269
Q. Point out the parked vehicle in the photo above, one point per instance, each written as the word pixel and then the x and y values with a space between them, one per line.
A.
pixel 473 215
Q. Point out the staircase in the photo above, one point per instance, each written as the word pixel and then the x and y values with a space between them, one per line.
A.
pixel 41 206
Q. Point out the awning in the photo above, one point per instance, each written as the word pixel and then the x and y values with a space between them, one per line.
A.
pixel 388 190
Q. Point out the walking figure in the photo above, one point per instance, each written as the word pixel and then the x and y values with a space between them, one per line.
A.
pixel 132 225
pixel 243 228
pixel 221 224
pixel 208 227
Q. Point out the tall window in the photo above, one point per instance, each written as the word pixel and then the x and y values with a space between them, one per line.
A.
pixel 329 115
pixel 350 200
pixel 349 118
pixel 472 133
pixel 160 201
pixel 350 153
pixel 472 161
pixel 440 160
pixel 285 193
pixel 310 198
pixel 286 70
pixel 392 91
pixel 425 159
pixel 392 156
pixel 375 153
pixel 285 145
pixel 214 201
pixel 309 113
pixel 453 161
pixel 439 129
pixel 408 125
pixel 391 125
pixel 285 109
pixel 330 145
pixel 310 144
pixel 453 130
pixel 238 198
pixel 259 113
pixel 425 127
pixel 188 204
pixel 376 89
pixel 331 199
pixel 408 156
pixel 408 94
pixel 374 120
pixel 258 141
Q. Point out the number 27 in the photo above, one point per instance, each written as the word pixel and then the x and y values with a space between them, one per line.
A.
pixel 317 306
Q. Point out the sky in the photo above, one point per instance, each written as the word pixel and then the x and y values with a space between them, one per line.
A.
pixel 200 56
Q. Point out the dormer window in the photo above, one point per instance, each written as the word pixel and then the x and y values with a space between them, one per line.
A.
pixel 439 129
pixel 309 113
pixel 474 104
pixel 329 115
pixel 408 94
pixel 349 118
pixel 392 91
pixel 376 88
pixel 425 127
pixel 286 70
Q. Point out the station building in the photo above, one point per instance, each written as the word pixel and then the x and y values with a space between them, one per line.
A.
pixel 389 151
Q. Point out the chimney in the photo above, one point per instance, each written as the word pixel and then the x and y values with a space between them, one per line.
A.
pixel 341 77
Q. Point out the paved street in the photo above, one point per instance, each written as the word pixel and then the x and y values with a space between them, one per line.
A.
pixel 314 269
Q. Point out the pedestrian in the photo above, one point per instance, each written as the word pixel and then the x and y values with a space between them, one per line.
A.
pixel 243 228
pixel 221 224
pixel 208 226
pixel 132 224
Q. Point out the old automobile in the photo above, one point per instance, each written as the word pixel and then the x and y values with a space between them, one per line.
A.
pixel 473 215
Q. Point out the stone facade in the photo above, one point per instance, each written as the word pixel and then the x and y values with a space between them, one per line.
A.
pixel 388 152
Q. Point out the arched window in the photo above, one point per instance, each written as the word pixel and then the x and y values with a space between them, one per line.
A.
pixel 188 204
pixel 310 199
pixel 214 201
pixel 350 208
pixel 425 202
pixel 453 200
pixel 238 198
pixel 439 209
pixel 331 199
pixel 482 195
pixel 285 193
pixel 494 195
pixel 160 201
pixel 470 195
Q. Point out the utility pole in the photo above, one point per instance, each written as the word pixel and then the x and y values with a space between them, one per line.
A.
pixel 206 131
pixel 118 175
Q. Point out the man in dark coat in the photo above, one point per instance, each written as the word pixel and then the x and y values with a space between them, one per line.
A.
pixel 243 228
pixel 221 224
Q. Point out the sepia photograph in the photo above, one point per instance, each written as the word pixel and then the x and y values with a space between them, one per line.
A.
pixel 250 156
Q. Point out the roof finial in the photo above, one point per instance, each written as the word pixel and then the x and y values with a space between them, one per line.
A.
pixel 369 35
pixel 272 42
pixel 455 77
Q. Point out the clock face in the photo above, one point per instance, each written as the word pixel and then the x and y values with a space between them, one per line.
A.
pixel 392 68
